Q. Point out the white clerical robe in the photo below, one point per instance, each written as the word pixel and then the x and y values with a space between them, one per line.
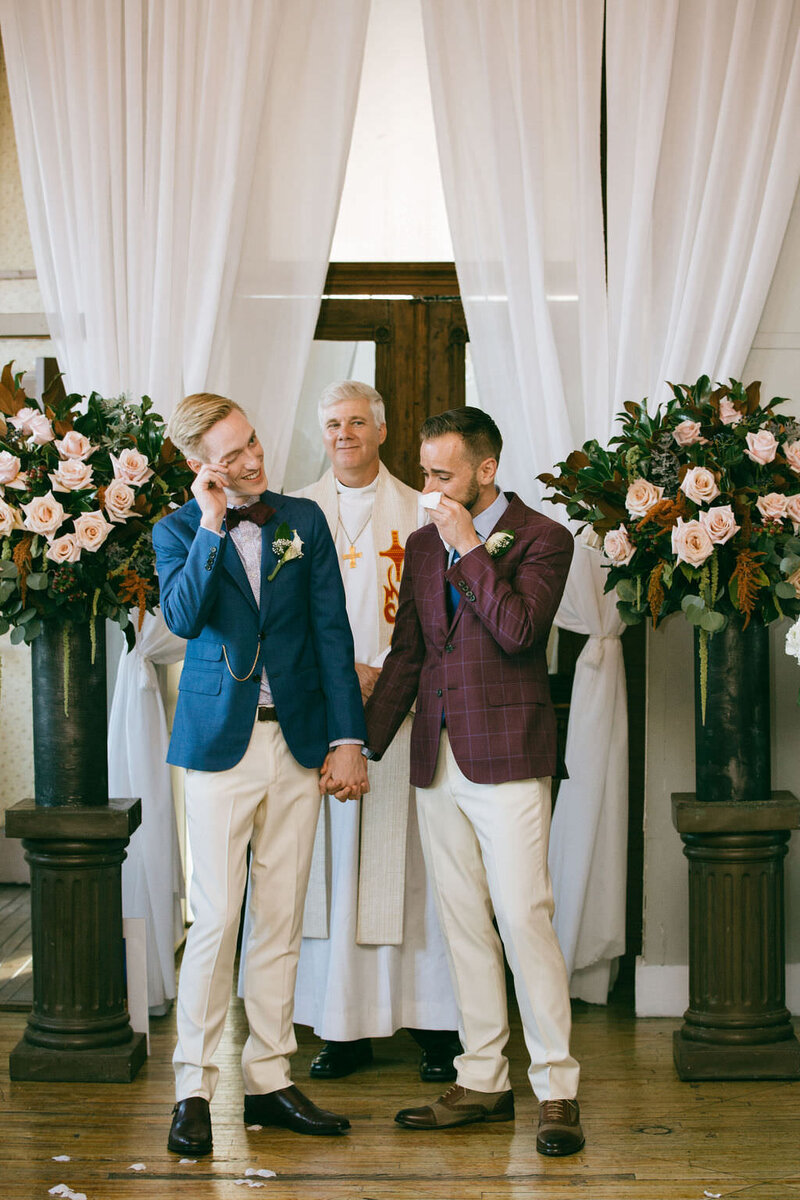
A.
pixel 347 988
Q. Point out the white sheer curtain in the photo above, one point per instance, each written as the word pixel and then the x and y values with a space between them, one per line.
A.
pixel 181 165
pixel 516 94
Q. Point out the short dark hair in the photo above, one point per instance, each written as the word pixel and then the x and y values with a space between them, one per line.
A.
pixel 481 436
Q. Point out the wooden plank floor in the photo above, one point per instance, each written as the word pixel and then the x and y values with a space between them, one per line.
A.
pixel 649 1136
pixel 16 981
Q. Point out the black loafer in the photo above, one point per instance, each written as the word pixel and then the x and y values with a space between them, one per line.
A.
pixel 190 1133
pixel 337 1059
pixel 290 1109
pixel 436 1061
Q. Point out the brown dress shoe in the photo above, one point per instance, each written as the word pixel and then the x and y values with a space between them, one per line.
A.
pixel 289 1108
pixel 459 1106
pixel 560 1130
pixel 190 1133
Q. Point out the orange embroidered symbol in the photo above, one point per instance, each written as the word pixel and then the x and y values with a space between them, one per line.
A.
pixel 396 554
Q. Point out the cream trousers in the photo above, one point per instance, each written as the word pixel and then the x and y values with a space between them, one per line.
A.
pixel 485 848
pixel 271 802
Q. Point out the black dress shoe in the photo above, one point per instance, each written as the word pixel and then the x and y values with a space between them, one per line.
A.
pixel 436 1061
pixel 337 1059
pixel 190 1133
pixel 289 1108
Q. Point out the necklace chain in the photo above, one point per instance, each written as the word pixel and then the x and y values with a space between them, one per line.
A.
pixel 352 540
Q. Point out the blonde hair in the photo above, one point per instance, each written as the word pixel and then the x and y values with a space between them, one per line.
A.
pixel 351 389
pixel 194 416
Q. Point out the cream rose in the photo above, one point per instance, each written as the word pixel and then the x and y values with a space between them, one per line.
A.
pixel 792 453
pixel 761 446
pixel 687 433
pixel 719 523
pixel 772 506
pixel 10 475
pixel 75 445
pixel 617 547
pixel 64 549
pixel 131 467
pixel 41 430
pixel 641 496
pixel 10 518
pixel 91 530
pixel 794 580
pixel 691 543
pixel 118 500
pixel 793 511
pixel 22 420
pixel 700 485
pixel 728 412
pixel 72 475
pixel 44 515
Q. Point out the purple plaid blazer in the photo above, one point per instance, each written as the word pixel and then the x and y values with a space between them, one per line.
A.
pixel 486 669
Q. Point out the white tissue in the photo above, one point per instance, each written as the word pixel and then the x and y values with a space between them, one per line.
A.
pixel 430 499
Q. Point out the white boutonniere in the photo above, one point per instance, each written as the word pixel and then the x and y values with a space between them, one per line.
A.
pixel 500 542
pixel 287 545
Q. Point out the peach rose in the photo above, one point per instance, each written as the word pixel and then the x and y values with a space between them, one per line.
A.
pixel 41 430
pixel 700 485
pixel 72 475
pixel 792 453
pixel 691 543
pixel 118 500
pixel 10 475
pixel 728 412
pixel 761 446
pixel 794 580
pixel 91 530
pixel 772 506
pixel 75 445
pixel 131 467
pixel 22 420
pixel 641 496
pixel 793 511
pixel 64 549
pixel 44 515
pixel 617 547
pixel 687 433
pixel 10 518
pixel 719 523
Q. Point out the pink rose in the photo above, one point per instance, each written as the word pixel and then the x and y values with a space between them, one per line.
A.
pixel 792 453
pixel 44 515
pixel 118 500
pixel 772 506
pixel 687 433
pixel 64 549
pixel 131 467
pixel 75 445
pixel 41 429
pixel 10 475
pixel 22 420
pixel 719 523
pixel 700 485
pixel 617 547
pixel 91 530
pixel 728 412
pixel 794 580
pixel 641 496
pixel 761 446
pixel 793 511
pixel 691 543
pixel 72 476
pixel 10 518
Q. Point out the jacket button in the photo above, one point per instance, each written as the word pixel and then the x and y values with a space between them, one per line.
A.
pixel 449 647
pixel 438 691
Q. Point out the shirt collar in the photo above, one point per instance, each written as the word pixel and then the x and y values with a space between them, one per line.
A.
pixel 485 521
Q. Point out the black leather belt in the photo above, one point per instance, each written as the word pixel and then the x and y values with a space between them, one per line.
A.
pixel 267 713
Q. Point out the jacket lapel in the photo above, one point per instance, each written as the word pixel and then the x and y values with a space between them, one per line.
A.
pixel 269 559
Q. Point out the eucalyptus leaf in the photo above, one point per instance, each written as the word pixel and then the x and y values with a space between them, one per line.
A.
pixel 713 622
pixel 789 564
pixel 37 581
pixel 7 588
pixel 26 615
pixel 17 635
pixel 8 569
pixel 691 601
pixel 4 626
pixel 627 614
pixel 626 590
pixel 785 590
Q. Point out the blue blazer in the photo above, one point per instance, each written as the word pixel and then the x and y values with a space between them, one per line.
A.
pixel 300 633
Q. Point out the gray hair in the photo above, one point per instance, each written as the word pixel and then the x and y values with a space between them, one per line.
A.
pixel 351 389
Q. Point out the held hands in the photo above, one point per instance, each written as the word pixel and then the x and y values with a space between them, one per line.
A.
pixel 367 678
pixel 455 525
pixel 208 490
pixel 344 773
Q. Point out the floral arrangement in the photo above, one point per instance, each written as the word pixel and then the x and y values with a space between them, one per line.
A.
pixel 82 482
pixel 696 507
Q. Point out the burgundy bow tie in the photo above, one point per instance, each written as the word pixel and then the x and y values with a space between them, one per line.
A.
pixel 258 512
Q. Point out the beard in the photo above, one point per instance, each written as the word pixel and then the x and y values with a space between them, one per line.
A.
pixel 472 493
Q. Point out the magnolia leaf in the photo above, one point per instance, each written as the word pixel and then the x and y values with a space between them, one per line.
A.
pixel 753 393
pixel 577 459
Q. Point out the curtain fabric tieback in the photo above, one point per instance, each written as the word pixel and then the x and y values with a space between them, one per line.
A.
pixel 595 648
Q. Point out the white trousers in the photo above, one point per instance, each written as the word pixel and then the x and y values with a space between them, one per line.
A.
pixel 272 802
pixel 485 848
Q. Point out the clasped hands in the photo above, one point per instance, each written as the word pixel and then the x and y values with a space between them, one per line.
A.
pixel 344 773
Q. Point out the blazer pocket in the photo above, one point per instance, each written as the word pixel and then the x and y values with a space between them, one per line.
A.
pixel 207 682
pixel 501 695
pixel 210 651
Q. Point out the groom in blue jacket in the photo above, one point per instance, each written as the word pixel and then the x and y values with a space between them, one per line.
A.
pixel 269 716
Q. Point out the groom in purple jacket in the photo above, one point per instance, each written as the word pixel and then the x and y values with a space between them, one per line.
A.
pixel 480 588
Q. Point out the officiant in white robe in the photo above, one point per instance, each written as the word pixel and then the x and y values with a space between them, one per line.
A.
pixel 372 959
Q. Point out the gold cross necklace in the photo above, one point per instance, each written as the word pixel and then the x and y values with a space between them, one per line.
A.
pixel 352 553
